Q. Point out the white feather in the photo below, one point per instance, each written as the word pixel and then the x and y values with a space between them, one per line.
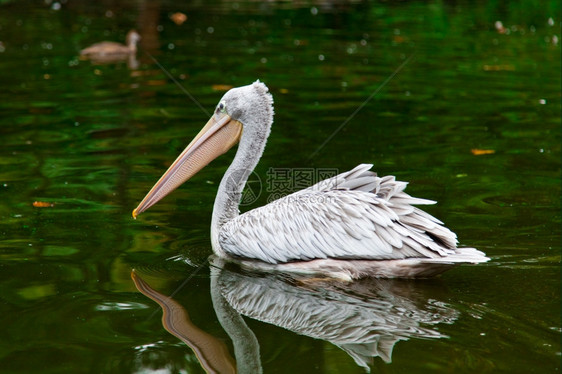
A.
pixel 348 224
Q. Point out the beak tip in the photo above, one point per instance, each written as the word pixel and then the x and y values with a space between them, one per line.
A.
pixel 135 214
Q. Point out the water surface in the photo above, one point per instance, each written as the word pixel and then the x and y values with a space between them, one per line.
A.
pixel 472 121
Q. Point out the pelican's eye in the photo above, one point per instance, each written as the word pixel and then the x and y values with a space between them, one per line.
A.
pixel 221 108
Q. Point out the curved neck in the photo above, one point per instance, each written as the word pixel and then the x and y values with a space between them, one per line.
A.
pixel 132 42
pixel 232 184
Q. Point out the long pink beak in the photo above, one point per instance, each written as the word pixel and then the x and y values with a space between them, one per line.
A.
pixel 219 135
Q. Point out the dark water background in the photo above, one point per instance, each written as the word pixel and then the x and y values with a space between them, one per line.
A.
pixel 90 140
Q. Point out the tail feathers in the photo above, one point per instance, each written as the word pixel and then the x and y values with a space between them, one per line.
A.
pixel 461 255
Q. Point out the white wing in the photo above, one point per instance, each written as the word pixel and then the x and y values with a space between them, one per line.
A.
pixel 354 215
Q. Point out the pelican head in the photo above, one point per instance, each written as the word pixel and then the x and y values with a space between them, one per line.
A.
pixel 243 114
pixel 132 39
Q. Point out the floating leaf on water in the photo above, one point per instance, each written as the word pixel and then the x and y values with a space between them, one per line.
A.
pixel 178 18
pixel 42 204
pixel 221 87
pixel 479 152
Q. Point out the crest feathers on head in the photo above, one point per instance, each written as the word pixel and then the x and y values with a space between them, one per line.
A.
pixel 262 89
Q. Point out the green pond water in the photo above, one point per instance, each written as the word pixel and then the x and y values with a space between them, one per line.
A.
pixel 464 108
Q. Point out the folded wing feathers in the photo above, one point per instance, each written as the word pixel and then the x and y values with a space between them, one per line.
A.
pixel 354 215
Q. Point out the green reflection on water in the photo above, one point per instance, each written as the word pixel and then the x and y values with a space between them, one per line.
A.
pixel 92 139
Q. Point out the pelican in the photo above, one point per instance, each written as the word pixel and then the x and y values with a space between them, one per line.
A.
pixel 113 50
pixel 350 226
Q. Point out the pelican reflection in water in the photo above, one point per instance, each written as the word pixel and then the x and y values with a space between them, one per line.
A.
pixel 365 319
pixel 350 226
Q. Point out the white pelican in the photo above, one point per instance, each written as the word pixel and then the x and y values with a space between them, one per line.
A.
pixel 353 225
